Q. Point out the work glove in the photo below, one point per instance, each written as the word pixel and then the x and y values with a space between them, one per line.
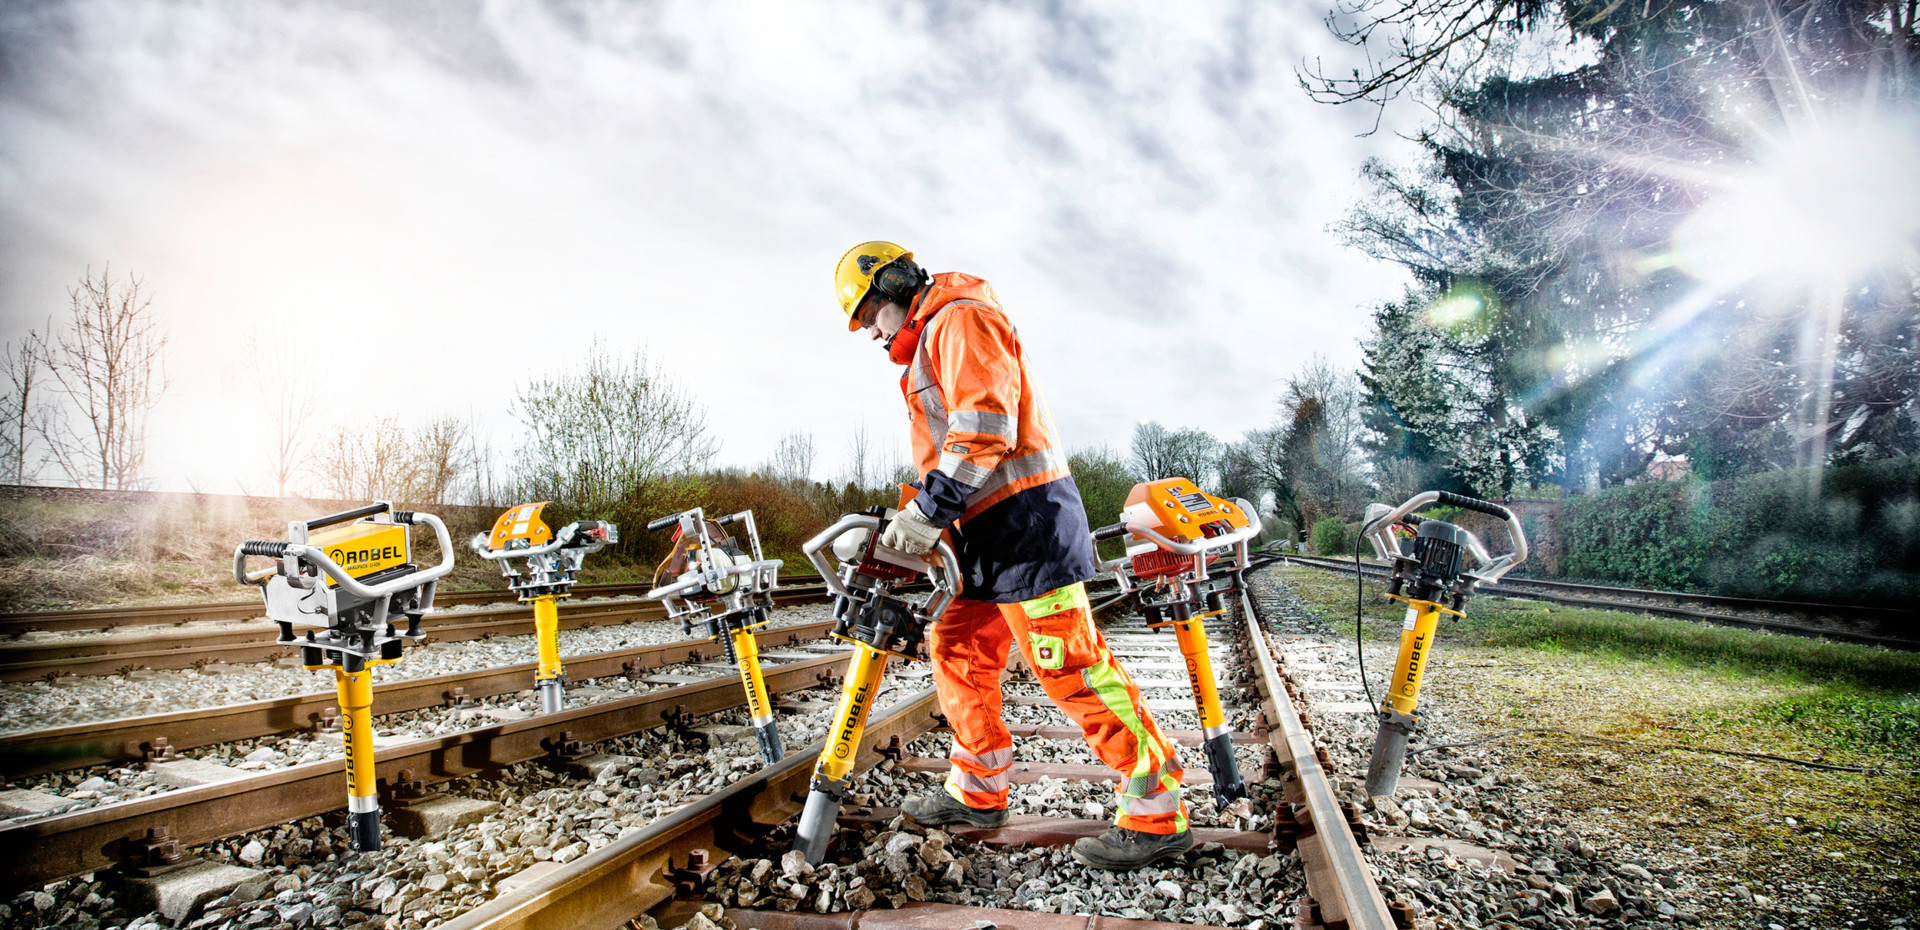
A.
pixel 910 532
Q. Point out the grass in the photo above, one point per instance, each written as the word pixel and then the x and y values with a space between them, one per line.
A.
pixel 1804 837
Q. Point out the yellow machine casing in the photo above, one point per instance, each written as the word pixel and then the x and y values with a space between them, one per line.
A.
pixel 522 522
pixel 364 548
pixel 1177 509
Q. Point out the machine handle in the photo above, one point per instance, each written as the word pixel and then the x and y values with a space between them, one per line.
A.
pixel 1114 531
pixel 1380 520
pixel 1464 502
pixel 663 522
pixel 265 548
pixel 317 556
pixel 348 516
pixel 729 518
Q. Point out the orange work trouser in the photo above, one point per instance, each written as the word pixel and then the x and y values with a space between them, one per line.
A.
pixel 1070 657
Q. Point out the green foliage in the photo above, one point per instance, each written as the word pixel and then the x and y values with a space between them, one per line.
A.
pixel 1104 484
pixel 1864 723
pixel 1854 540
pixel 1331 537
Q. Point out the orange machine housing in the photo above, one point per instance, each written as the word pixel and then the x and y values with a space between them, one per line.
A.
pixel 1177 509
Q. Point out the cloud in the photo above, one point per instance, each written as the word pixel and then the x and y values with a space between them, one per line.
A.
pixel 440 197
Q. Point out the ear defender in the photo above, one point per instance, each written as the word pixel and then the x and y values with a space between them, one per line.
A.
pixel 899 280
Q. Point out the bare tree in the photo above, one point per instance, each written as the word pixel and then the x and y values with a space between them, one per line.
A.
pixel 337 465
pixel 25 413
pixel 1159 452
pixel 604 429
pixel 860 463
pixel 438 452
pixel 793 458
pixel 108 361
pixel 289 397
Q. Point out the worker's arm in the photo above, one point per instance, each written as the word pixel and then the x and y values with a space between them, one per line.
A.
pixel 977 372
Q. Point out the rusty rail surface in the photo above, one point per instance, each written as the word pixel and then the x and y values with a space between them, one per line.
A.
pixel 609 887
pixel 632 874
pixel 131 738
pixel 254 642
pixel 1338 877
pixel 40 851
pixel 107 618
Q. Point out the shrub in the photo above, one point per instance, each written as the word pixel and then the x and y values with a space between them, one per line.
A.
pixel 1848 534
pixel 1330 537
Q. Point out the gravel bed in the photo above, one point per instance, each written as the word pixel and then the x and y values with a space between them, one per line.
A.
pixel 902 862
pixel 310 880
pixel 71 700
pixel 106 784
pixel 1562 875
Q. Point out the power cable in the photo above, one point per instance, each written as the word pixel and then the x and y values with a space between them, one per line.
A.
pixel 1359 616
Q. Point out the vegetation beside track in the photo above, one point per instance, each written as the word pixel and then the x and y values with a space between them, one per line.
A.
pixel 1834 845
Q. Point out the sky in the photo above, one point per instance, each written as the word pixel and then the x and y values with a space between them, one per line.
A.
pixel 422 204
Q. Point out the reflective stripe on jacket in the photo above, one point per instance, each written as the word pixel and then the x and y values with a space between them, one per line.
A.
pixel 990 462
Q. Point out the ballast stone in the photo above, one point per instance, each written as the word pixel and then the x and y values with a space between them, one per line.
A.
pixel 436 817
pixel 179 894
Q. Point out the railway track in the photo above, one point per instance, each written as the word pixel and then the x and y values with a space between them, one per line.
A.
pixel 669 858
pixel 133 739
pixel 252 640
pixel 108 618
pixel 1732 611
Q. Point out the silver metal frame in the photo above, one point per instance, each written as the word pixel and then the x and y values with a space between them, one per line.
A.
pixel 943 572
pixel 1237 540
pixel 1378 529
pixel 752 579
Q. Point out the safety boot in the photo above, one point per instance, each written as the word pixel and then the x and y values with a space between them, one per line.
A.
pixel 940 809
pixel 1121 849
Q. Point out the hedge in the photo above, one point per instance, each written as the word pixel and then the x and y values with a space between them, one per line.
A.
pixel 1856 540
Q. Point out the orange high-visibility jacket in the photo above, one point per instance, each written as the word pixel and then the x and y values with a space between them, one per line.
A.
pixel 991 464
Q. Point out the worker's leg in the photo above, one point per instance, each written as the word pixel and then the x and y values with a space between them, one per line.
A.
pixel 969 647
pixel 1070 657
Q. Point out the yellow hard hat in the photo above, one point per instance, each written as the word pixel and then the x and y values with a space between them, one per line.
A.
pixel 853 277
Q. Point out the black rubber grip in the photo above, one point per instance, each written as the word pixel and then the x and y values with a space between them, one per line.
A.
pixel 403 516
pixel 1413 519
pixel 1464 502
pixel 664 522
pixel 347 516
pixel 729 518
pixel 1115 531
pixel 264 548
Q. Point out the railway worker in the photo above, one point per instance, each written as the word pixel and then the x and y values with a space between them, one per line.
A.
pixel 993 475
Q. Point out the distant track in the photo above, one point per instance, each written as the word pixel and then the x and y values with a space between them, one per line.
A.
pixel 108 618
pixel 253 640
pixel 1733 611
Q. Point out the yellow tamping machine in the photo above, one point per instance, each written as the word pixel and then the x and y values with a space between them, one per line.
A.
pixel 338 587
pixel 867 612
pixel 1429 577
pixel 723 592
pixel 550 562
pixel 1186 550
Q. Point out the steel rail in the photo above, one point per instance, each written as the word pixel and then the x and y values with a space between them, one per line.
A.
pixel 1503 590
pixel 608 887
pixel 128 739
pixel 1337 874
pixel 107 618
pixel 40 851
pixel 254 643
